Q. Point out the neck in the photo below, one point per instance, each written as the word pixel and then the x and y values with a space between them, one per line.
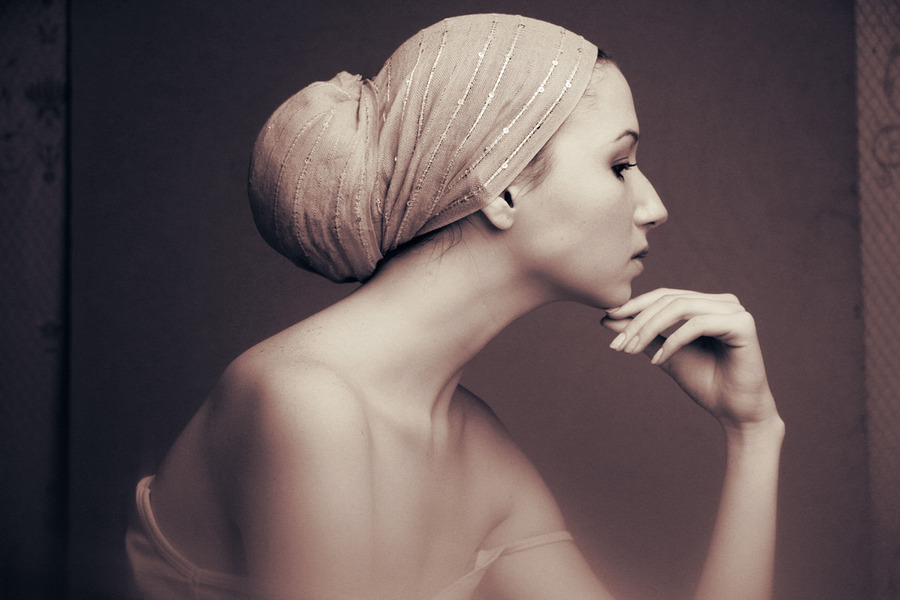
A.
pixel 411 329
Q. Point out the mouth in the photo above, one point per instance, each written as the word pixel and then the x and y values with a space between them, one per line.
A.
pixel 642 254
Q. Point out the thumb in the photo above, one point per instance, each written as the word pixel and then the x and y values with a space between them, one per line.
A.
pixel 616 325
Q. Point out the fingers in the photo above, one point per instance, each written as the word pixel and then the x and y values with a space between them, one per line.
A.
pixel 641 320
pixel 711 351
pixel 619 326
pixel 616 325
pixel 719 326
pixel 642 302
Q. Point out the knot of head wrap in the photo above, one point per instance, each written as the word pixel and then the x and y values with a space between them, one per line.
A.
pixel 349 169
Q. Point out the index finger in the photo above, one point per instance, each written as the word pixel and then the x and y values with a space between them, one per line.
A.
pixel 639 303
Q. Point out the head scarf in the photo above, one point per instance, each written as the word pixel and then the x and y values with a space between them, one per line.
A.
pixel 349 169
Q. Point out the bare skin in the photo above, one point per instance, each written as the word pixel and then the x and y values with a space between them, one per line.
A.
pixel 341 458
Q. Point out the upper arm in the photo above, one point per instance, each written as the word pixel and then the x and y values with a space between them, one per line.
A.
pixel 554 570
pixel 297 480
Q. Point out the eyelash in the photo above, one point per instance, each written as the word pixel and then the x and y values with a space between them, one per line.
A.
pixel 620 168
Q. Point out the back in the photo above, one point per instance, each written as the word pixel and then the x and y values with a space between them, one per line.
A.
pixel 293 474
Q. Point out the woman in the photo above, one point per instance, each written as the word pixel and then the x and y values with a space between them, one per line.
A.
pixel 490 168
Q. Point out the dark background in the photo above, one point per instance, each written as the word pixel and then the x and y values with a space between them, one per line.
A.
pixel 748 133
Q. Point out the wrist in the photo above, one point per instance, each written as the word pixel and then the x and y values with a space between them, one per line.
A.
pixel 768 432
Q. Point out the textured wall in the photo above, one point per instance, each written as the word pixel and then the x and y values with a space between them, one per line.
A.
pixel 748 132
pixel 878 85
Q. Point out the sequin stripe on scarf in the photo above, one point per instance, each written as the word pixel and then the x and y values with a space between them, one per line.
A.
pixel 363 192
pixel 262 162
pixel 306 162
pixel 443 186
pixel 539 123
pixel 338 216
pixel 508 57
pixel 508 128
pixel 475 192
pixel 459 104
pixel 411 200
pixel 388 208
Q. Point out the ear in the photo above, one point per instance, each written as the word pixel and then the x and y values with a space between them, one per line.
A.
pixel 500 211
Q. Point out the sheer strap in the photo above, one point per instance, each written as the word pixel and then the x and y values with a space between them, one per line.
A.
pixel 162 572
pixel 464 587
pixel 158 568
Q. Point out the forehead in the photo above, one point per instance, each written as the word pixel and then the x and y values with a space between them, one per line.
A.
pixel 607 108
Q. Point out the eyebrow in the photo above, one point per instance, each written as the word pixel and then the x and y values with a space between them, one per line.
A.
pixel 629 132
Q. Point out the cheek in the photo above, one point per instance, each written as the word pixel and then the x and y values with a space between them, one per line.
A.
pixel 584 224
pixel 611 227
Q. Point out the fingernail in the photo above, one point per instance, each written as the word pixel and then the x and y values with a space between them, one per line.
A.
pixel 656 357
pixel 618 341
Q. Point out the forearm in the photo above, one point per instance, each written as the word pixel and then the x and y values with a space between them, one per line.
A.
pixel 741 555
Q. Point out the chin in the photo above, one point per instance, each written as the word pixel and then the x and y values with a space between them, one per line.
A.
pixel 619 301
pixel 608 298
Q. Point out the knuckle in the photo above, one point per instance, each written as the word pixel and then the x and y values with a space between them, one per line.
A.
pixel 673 296
pixel 748 318
pixel 701 321
pixel 730 298
pixel 680 302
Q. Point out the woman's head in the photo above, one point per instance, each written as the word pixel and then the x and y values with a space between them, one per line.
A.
pixel 347 170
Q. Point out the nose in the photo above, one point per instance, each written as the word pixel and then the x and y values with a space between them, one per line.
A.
pixel 650 211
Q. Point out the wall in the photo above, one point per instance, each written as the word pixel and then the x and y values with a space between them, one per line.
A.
pixel 878 99
pixel 748 134
pixel 33 297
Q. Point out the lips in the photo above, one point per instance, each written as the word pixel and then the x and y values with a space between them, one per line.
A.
pixel 643 253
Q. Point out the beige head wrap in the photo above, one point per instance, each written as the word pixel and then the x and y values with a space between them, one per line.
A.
pixel 349 169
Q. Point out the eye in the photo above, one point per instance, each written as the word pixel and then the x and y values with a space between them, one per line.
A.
pixel 620 168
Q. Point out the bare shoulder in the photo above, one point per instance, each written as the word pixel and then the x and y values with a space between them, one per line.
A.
pixel 278 414
pixel 271 400
pixel 527 506
pixel 292 438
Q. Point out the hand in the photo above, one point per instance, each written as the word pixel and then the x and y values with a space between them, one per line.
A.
pixel 713 354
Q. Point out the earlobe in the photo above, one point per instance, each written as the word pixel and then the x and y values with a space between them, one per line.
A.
pixel 500 211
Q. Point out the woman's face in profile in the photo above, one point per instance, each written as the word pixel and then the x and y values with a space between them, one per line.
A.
pixel 583 228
